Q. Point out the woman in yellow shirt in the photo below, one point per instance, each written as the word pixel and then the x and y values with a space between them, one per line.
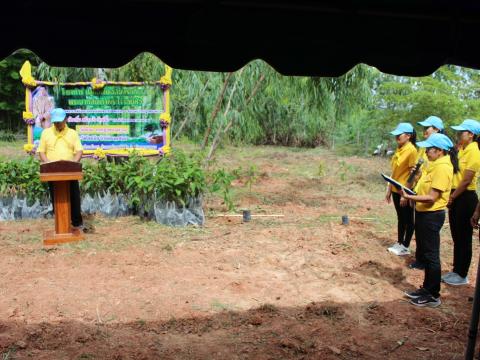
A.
pixel 403 161
pixel 433 192
pixel 463 201
pixel 431 125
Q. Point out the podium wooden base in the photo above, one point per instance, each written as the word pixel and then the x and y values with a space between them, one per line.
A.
pixel 60 173
pixel 51 238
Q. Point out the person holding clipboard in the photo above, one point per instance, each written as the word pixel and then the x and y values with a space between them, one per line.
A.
pixel 431 125
pixel 463 201
pixel 403 161
pixel 433 192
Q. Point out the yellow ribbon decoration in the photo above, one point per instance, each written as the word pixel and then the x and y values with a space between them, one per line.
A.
pixel 97 84
pixel 30 81
pixel 28 148
pixel 167 78
pixel 26 74
pixel 166 117
pixel 27 115
pixel 122 152
pixel 99 153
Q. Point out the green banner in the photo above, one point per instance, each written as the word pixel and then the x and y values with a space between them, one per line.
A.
pixel 115 117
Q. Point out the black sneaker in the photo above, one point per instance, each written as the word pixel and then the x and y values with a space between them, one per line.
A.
pixel 426 301
pixel 416 294
pixel 416 265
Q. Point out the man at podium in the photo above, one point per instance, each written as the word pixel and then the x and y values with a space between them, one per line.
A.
pixel 59 142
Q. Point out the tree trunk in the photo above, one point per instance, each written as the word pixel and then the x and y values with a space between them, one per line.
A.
pixel 220 133
pixel 184 122
pixel 216 110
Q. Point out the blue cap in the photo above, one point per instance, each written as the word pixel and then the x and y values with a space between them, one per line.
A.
pixel 440 141
pixel 434 121
pixel 58 115
pixel 402 128
pixel 468 125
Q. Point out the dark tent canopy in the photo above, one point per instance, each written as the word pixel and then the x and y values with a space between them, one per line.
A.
pixel 321 38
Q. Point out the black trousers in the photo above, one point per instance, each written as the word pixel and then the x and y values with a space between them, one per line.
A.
pixel 75 202
pixel 427 233
pixel 459 216
pixel 405 221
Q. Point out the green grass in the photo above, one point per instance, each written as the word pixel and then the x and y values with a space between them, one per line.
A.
pixel 219 306
pixel 315 176
pixel 136 233
pixel 8 354
pixel 86 356
pixel 12 150
pixel 141 322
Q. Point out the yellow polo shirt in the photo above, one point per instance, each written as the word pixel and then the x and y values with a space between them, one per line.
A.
pixel 438 176
pixel 403 159
pixel 422 154
pixel 59 145
pixel 468 159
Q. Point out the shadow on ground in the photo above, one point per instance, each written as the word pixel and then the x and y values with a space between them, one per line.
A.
pixel 327 330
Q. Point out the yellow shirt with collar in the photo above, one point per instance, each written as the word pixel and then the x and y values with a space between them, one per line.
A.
pixel 59 145
pixel 439 176
pixel 468 159
pixel 422 154
pixel 403 159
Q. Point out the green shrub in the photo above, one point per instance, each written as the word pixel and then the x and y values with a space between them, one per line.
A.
pixel 175 178
pixel 20 177
pixel 7 136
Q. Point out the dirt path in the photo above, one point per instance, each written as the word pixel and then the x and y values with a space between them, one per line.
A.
pixel 300 287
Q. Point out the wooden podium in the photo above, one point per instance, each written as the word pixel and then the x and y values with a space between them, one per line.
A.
pixel 60 173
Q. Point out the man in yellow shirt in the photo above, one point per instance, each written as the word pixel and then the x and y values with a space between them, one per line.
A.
pixel 59 142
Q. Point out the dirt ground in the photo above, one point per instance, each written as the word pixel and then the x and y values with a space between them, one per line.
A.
pixel 301 286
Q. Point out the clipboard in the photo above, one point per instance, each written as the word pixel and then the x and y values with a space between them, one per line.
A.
pixel 398 185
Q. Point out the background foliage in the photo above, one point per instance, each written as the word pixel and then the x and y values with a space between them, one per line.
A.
pixel 256 105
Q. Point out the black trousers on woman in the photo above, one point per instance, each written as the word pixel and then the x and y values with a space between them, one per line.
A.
pixel 427 234
pixel 75 202
pixel 459 216
pixel 405 221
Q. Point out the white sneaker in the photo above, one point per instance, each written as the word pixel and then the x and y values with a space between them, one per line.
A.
pixel 394 247
pixel 404 251
pixel 401 251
